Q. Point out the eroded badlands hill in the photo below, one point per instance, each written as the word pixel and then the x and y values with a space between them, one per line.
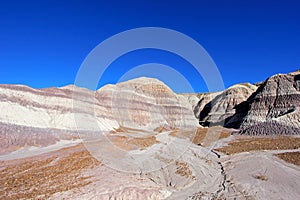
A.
pixel 148 143
pixel 268 108
pixel 40 117
pixel 274 108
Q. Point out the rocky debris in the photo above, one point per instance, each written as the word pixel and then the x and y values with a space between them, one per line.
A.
pixel 273 109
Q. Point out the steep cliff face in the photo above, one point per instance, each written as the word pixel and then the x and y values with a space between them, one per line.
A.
pixel 204 99
pixel 37 117
pixel 274 108
pixel 216 108
pixel 266 108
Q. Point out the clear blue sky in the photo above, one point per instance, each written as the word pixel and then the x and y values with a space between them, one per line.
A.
pixel 43 43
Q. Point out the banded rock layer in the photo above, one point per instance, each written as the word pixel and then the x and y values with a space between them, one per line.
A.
pixel 53 114
pixel 146 103
pixel 217 107
pixel 274 108
pixel 270 107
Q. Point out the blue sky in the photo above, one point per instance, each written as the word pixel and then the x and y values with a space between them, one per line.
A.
pixel 43 43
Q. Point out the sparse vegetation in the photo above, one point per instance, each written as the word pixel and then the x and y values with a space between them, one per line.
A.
pixel 143 142
pixel 290 157
pixel 261 177
pixel 40 179
pixel 216 134
pixel 261 143
pixel 123 129
pixel 183 169
pixel 128 143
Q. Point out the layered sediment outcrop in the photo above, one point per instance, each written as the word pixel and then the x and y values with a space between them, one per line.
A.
pixel 204 99
pixel 52 114
pixel 216 108
pixel 146 103
pixel 270 107
pixel 274 108
pixel 45 116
